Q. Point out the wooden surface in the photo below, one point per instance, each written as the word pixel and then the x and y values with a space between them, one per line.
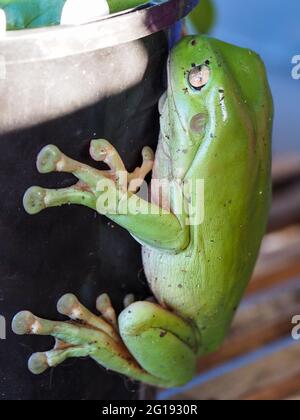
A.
pixel 260 360
pixel 279 260
pixel 271 376
pixel 258 323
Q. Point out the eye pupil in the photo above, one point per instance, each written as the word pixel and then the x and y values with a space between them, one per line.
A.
pixel 199 76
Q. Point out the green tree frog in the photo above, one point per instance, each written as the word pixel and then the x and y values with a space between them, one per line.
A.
pixel 216 123
pixel 21 14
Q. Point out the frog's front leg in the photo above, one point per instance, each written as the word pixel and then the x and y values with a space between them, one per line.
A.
pixel 103 151
pixel 146 221
pixel 51 159
pixel 160 348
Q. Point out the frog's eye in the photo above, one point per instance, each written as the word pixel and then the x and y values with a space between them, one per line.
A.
pixel 199 76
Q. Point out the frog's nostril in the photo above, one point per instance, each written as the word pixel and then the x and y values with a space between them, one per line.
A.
pixel 199 76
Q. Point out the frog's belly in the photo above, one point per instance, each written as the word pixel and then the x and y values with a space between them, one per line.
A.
pixel 169 277
pixel 182 284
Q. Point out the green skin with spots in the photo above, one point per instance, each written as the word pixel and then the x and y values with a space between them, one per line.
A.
pixel 232 153
pixel 219 132
pixel 22 14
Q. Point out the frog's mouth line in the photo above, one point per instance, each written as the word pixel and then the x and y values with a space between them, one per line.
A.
pixel 170 84
pixel 171 90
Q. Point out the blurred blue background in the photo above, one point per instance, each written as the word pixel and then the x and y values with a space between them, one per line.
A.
pixel 272 28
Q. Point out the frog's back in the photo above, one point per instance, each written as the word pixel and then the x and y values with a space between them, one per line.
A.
pixel 206 281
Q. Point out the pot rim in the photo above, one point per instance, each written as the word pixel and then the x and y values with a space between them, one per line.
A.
pixel 119 28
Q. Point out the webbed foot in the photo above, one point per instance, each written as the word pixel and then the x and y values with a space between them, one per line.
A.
pixel 86 334
pixel 147 343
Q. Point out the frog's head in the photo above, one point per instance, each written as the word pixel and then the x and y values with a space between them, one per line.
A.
pixel 212 88
pixel 184 108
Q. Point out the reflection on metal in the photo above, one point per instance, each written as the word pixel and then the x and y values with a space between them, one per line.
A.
pixel 61 41
pixel 2 328
pixel 77 12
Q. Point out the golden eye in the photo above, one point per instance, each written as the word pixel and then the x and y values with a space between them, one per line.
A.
pixel 199 76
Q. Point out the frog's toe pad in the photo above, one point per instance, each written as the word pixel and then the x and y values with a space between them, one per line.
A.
pixel 99 149
pixel 25 323
pixel 69 305
pixel 104 306
pixel 38 363
pixel 48 159
pixel 34 200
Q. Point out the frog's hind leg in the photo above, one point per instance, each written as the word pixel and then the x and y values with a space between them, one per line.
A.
pixel 164 344
pixel 106 309
pixel 40 362
pixel 85 335
pixel 75 339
